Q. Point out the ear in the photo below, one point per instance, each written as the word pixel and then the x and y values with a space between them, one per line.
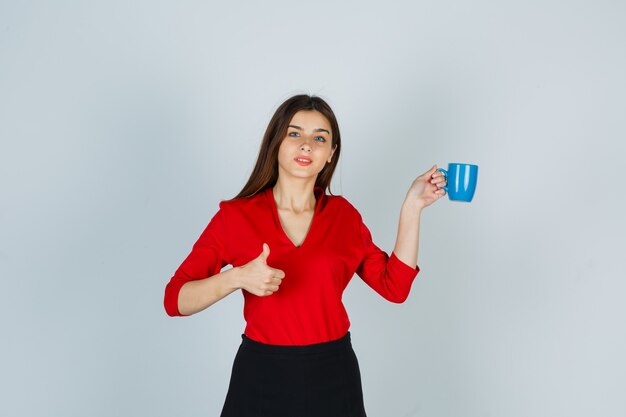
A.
pixel 330 158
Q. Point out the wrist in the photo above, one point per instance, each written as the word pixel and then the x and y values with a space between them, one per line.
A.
pixel 233 278
pixel 413 205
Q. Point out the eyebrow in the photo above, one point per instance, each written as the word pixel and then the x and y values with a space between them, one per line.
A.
pixel 319 129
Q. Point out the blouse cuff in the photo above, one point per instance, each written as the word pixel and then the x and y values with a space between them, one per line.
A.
pixel 401 268
pixel 171 298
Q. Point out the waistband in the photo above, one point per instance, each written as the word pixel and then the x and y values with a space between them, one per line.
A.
pixel 333 345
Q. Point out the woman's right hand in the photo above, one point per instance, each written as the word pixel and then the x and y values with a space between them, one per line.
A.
pixel 258 278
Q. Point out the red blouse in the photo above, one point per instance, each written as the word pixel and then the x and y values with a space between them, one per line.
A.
pixel 307 308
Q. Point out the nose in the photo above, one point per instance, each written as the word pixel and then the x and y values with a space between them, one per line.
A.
pixel 305 145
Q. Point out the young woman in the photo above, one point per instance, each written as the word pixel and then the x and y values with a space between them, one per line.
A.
pixel 294 249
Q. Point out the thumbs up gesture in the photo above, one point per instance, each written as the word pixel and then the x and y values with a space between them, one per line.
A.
pixel 258 278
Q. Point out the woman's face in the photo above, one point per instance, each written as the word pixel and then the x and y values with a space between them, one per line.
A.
pixel 307 146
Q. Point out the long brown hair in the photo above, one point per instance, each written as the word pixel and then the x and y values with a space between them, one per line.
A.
pixel 265 172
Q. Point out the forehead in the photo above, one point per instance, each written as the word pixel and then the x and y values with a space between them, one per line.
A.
pixel 310 119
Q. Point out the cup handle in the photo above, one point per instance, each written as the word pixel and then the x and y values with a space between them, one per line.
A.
pixel 445 174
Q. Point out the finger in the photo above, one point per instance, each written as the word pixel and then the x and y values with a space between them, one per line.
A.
pixel 278 273
pixel 272 281
pixel 265 253
pixel 434 190
pixel 272 288
pixel 429 173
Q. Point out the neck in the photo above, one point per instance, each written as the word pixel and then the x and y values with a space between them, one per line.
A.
pixel 296 196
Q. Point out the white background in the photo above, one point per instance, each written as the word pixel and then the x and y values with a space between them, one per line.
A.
pixel 123 124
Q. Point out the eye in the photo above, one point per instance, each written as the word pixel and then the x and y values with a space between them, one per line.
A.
pixel 320 138
pixel 294 134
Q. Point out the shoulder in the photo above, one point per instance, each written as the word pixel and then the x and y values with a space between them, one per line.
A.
pixel 246 204
pixel 341 203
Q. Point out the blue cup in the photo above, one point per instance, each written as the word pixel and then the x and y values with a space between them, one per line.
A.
pixel 461 179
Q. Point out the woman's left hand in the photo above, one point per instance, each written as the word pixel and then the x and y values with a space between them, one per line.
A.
pixel 426 189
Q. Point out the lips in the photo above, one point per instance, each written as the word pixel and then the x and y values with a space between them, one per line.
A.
pixel 303 160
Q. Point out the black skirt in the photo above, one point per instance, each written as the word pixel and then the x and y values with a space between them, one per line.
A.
pixel 320 380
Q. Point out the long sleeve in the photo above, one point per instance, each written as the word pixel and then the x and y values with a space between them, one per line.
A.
pixel 207 257
pixel 387 275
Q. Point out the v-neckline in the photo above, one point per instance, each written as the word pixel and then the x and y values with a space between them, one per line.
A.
pixel 318 192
